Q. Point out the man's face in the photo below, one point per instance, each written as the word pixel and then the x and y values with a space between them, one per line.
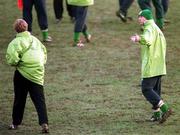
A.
pixel 142 20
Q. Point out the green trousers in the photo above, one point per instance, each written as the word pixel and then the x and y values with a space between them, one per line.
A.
pixel 146 4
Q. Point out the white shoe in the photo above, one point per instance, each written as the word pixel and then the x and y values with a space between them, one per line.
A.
pixel 13 127
pixel 45 128
pixel 88 38
pixel 48 39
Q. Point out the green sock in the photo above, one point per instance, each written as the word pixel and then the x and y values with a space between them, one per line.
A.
pixel 85 33
pixel 160 22
pixel 157 114
pixel 45 34
pixel 76 36
pixel 164 108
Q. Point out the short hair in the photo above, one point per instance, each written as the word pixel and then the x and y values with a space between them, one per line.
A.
pixel 20 25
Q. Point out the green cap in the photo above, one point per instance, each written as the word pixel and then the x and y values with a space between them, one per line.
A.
pixel 146 13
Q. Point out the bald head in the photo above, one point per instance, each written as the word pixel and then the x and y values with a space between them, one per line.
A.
pixel 20 25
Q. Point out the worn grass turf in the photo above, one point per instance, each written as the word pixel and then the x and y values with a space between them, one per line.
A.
pixel 93 90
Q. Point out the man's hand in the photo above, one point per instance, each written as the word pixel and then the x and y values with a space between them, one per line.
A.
pixel 135 38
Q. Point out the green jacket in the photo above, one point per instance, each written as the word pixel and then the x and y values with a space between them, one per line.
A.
pixel 153 51
pixel 28 55
pixel 80 2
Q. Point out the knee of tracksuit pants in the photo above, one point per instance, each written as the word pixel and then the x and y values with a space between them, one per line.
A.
pixel 145 91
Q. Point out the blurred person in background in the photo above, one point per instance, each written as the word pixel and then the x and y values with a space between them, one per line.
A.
pixel 80 9
pixel 58 10
pixel 40 7
pixel 165 5
pixel 124 5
